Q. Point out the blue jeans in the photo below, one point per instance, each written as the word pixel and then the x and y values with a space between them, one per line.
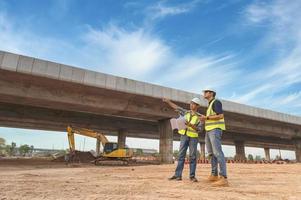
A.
pixel 184 144
pixel 213 140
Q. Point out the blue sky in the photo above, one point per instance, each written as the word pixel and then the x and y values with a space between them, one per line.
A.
pixel 249 51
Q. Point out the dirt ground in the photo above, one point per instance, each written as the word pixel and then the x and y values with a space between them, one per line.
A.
pixel 47 180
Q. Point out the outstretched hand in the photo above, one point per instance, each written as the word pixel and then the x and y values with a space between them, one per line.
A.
pixel 202 118
pixel 165 100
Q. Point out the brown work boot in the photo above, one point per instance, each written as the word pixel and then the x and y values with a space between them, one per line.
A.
pixel 212 178
pixel 222 181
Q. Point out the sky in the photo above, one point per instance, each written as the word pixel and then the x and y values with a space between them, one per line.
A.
pixel 249 51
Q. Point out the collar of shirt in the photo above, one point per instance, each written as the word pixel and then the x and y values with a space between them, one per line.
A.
pixel 211 101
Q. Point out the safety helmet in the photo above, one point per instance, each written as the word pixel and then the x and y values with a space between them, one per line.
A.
pixel 209 89
pixel 196 100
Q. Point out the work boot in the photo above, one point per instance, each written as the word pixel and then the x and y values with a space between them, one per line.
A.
pixel 193 179
pixel 222 181
pixel 175 178
pixel 212 178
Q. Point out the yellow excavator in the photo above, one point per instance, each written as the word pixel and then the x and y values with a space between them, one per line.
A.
pixel 111 155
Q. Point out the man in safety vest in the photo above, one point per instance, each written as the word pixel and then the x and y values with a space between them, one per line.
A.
pixel 189 137
pixel 214 127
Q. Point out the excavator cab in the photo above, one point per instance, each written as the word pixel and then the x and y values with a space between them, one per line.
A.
pixel 111 150
pixel 112 146
pixel 109 147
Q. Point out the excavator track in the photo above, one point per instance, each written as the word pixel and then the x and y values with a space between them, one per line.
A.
pixel 112 161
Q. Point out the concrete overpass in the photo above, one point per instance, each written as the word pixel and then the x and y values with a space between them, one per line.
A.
pixel 39 94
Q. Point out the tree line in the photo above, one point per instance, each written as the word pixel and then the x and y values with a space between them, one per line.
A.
pixel 13 150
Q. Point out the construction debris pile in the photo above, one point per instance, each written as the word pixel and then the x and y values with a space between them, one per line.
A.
pixel 77 157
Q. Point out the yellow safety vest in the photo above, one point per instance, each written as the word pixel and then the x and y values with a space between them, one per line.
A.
pixel 194 120
pixel 213 124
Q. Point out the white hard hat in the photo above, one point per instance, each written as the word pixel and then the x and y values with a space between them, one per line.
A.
pixel 210 89
pixel 196 100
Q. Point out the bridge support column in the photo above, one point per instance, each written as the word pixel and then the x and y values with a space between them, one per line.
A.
pixel 267 154
pixel 240 150
pixel 298 150
pixel 121 138
pixel 166 140
pixel 202 150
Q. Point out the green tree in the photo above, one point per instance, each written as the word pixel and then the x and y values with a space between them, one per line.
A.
pixel 24 149
pixel 139 152
pixel 278 157
pixel 11 149
pixel 31 150
pixel 2 146
pixel 258 158
pixel 250 157
pixel 2 142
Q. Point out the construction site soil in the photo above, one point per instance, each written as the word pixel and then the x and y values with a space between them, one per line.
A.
pixel 44 179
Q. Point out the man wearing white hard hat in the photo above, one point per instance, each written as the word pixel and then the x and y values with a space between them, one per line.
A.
pixel 214 126
pixel 189 137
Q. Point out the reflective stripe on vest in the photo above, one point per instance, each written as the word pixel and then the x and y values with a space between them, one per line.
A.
pixel 213 124
pixel 190 132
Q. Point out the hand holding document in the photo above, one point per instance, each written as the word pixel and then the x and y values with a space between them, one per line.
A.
pixel 178 123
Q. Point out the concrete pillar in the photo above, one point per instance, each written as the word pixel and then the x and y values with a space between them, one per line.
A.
pixel 202 151
pixel 240 150
pixel 298 149
pixel 121 138
pixel 166 140
pixel 267 153
pixel 97 147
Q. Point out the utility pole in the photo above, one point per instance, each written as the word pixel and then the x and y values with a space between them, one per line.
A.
pixel 84 144
pixel 280 154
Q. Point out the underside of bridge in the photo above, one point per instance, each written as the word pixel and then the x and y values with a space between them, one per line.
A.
pixel 30 117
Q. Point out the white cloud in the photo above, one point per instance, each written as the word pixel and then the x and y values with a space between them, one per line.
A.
pixel 257 13
pixel 197 72
pixel 289 99
pixel 253 94
pixel 161 10
pixel 134 53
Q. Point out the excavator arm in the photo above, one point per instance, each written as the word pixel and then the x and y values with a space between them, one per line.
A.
pixel 86 132
pixel 71 141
